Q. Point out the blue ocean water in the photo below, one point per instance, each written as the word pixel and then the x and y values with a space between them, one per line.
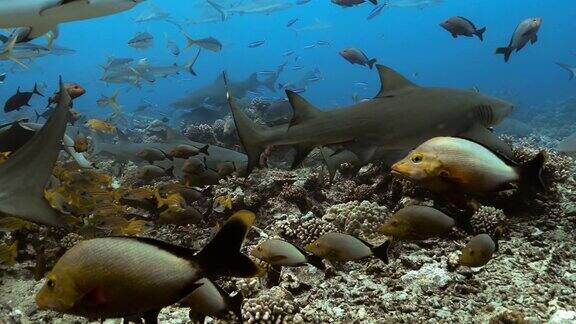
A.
pixel 408 39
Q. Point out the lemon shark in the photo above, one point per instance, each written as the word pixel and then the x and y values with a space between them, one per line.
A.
pixel 25 174
pixel 400 117
pixel 38 17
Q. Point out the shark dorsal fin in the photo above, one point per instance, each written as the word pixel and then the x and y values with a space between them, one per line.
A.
pixel 391 80
pixel 25 174
pixel 302 109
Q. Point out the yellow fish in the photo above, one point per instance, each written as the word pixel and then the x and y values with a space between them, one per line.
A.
pixel 9 253
pixel 222 203
pixel 101 126
pixel 174 199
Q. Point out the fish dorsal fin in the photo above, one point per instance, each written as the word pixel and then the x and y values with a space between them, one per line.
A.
pixel 302 109
pixel 391 80
pixel 482 136
pixel 25 174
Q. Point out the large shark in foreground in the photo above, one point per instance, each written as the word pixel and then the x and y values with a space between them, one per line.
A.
pixel 37 17
pixel 402 116
pixel 25 174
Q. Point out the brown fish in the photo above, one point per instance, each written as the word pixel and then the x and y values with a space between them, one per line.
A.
pixel 478 251
pixel 417 223
pixel 184 151
pixel 20 99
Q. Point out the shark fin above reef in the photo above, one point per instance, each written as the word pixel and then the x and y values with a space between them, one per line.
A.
pixel 25 174
pixel 391 81
pixel 303 110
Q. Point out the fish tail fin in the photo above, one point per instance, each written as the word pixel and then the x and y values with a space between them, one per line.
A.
pixel 35 90
pixel 189 40
pixel 235 305
pixel 568 68
pixel 204 149
pixel 374 2
pixel 8 52
pixel 480 33
pixel 381 251
pixel 219 8
pixel 507 51
pixel 222 256
pixel 316 261
pixel 252 136
pixel 190 66
pixel 371 63
pixel 531 172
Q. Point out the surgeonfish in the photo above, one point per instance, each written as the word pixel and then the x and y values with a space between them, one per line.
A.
pixel 343 247
pixel 460 26
pixel 478 251
pixel 211 300
pixel 526 31
pixel 108 277
pixel 450 164
pixel 417 223
pixel 281 253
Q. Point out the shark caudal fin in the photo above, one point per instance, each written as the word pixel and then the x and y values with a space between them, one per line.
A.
pixel 219 8
pixel 507 51
pixel 222 256
pixel 190 66
pixel 252 136
pixel 569 68
pixel 480 33
pixel 8 51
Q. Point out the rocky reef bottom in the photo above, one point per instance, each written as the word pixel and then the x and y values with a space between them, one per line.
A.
pixel 531 279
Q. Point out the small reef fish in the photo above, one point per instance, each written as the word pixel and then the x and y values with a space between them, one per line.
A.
pixel 100 126
pixel 357 56
pixel 478 251
pixel 450 164
pixel 107 277
pixel 209 43
pixel 281 253
pixel 417 223
pixel 184 151
pixel 152 155
pixel 460 26
pixel 211 300
pixel 180 216
pixel 343 247
pixel 256 44
pixel 526 31
pixel 222 203
pixel 151 172
pixel 21 99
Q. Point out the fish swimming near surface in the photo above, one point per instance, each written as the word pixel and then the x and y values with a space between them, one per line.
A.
pixel 459 165
pixel 478 251
pixel 107 277
pixel 352 3
pixel 21 99
pixel 281 253
pixel 417 223
pixel 211 300
pixel 343 247
pixel 460 26
pixel 37 18
pixel 527 31
pixel 379 125
pixel 27 171
pixel 356 56
pixel 570 68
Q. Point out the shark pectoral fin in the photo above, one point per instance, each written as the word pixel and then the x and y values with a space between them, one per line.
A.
pixel 391 80
pixel 364 149
pixel 52 6
pixel 302 109
pixel 491 141
pixel 333 161
pixel 301 154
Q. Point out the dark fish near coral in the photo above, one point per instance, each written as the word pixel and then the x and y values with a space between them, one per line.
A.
pixel 74 91
pixel 379 124
pixel 32 165
pixel 526 31
pixel 460 26
pixel 211 300
pixel 193 166
pixel 151 172
pixel 344 247
pixel 20 99
pixel 107 277
pixel 184 151
pixel 152 155
pixel 351 3
pixel 458 165
pixel 478 251
pixel 356 56
pixel 417 223
pixel 281 253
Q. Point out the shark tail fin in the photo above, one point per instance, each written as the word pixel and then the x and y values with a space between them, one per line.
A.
pixel 8 52
pixel 480 33
pixel 507 51
pixel 219 8
pixel 190 66
pixel 568 68
pixel 252 136
pixel 35 90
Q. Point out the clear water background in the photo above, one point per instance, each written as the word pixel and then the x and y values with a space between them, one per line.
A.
pixel 407 39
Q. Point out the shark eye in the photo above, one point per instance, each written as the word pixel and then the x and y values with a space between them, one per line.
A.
pixel 417 158
pixel 444 174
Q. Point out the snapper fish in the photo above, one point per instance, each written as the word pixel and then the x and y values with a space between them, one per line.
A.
pixel 108 277
pixel 460 26
pixel 450 164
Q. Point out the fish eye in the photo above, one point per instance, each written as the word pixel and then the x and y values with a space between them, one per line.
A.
pixel 444 174
pixel 51 283
pixel 394 223
pixel 472 252
pixel 417 158
pixel 317 244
